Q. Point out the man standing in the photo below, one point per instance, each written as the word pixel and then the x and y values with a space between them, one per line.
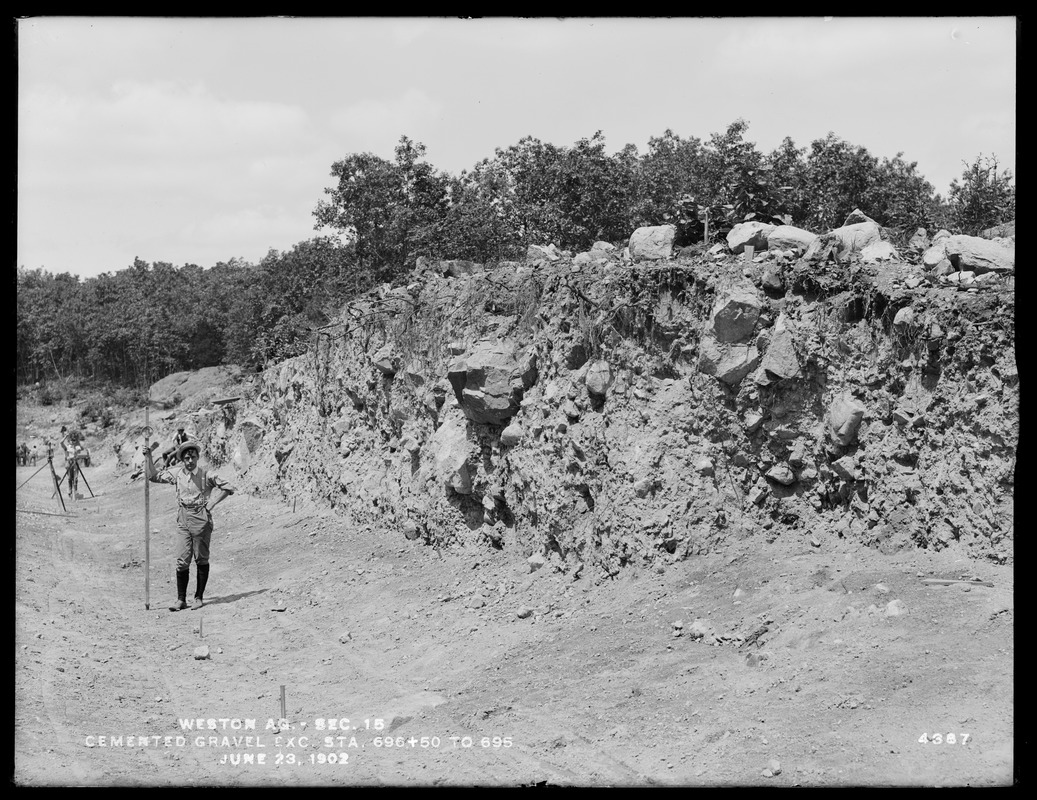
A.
pixel 194 485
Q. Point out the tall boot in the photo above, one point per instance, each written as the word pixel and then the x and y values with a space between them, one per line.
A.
pixel 182 577
pixel 202 578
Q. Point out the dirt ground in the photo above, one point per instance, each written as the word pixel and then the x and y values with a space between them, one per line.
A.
pixel 404 665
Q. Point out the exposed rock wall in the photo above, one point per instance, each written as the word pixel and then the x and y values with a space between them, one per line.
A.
pixel 606 412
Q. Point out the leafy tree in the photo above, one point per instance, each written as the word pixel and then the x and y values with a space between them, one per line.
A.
pixel 50 324
pixel 292 295
pixel 899 197
pixel 378 203
pixel 789 173
pixel 839 177
pixel 734 185
pixel 984 197
pixel 528 171
pixel 593 193
pixel 473 224
pixel 535 193
pixel 670 170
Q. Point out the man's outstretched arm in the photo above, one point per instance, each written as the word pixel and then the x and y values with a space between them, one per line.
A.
pixel 150 472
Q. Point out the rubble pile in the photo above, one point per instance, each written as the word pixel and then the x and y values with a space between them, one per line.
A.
pixel 624 406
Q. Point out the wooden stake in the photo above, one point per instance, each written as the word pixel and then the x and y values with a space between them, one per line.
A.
pixel 284 713
pixel 45 513
pixel 951 582
pixel 147 508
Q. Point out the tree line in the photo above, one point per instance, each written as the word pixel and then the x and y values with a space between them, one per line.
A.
pixel 140 323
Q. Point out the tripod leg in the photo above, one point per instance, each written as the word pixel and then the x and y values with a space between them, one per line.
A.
pixel 83 476
pixel 59 481
pixel 37 472
pixel 57 487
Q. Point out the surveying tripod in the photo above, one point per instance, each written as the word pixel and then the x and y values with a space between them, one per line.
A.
pixel 73 472
pixel 57 481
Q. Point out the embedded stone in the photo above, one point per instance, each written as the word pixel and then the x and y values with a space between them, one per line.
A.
pixel 599 378
pixel 749 234
pixel 652 243
pixel 844 418
pixel 512 434
pixel 735 312
pixel 975 254
pixel 729 363
pixel 789 237
pixel 781 473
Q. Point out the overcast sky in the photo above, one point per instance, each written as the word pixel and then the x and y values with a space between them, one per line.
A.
pixel 201 140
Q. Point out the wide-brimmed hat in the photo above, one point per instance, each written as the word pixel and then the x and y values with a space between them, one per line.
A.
pixel 188 446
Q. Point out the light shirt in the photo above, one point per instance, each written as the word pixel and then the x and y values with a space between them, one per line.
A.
pixel 193 488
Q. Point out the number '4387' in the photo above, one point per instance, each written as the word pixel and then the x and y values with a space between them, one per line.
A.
pixel 940 738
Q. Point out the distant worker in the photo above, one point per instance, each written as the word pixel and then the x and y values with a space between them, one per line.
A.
pixel 170 454
pixel 72 451
pixel 35 453
pixel 69 440
pixel 194 485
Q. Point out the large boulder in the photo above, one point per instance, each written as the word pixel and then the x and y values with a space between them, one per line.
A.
pixel 490 380
pixel 789 237
pixel 919 241
pixel 249 434
pixel 857 216
pixel 452 450
pixel 879 251
pixel 781 360
pixel 536 252
pixel 979 255
pixel 599 377
pixel 512 434
pixel 845 240
pixel 749 234
pixel 386 360
pixel 781 473
pixel 844 418
pixel 735 312
pixel 856 237
pixel 727 362
pixel 934 255
pixel 457 268
pixel 652 243
pixel 1004 230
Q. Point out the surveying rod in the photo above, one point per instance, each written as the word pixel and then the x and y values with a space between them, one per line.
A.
pixel 147 507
